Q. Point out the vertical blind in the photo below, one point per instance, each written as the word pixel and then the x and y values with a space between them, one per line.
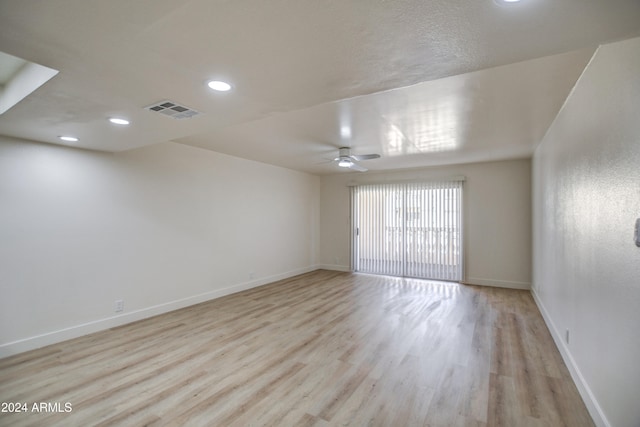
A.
pixel 408 229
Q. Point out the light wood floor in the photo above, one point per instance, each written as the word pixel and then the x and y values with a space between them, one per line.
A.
pixel 321 349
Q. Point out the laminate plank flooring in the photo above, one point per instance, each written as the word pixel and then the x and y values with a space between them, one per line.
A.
pixel 320 349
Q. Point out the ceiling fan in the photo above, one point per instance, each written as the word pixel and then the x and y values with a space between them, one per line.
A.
pixel 347 160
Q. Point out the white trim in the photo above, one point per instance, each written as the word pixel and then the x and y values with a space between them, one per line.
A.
pixel 54 337
pixel 334 267
pixel 353 229
pixel 510 284
pixel 589 399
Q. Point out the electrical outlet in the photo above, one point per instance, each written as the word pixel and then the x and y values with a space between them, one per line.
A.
pixel 566 336
pixel 118 306
pixel 252 275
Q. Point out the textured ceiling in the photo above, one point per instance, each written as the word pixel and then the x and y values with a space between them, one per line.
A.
pixel 419 82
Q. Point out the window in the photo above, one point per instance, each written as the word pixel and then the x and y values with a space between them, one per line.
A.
pixel 408 229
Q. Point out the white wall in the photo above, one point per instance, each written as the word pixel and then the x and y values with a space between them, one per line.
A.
pixel 160 227
pixel 497 218
pixel 586 177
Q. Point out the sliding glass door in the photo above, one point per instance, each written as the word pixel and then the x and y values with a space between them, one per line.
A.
pixel 408 229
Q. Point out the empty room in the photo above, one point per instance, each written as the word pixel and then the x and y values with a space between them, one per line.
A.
pixel 320 213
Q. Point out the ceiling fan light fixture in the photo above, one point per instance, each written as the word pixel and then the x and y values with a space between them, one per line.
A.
pixel 345 163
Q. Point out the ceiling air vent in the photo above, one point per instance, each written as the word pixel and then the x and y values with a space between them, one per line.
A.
pixel 173 109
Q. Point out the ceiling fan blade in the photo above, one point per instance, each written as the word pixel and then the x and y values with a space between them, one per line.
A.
pixel 365 156
pixel 357 167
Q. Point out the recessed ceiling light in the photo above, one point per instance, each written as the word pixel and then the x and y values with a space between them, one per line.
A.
pixel 69 138
pixel 219 86
pixel 118 121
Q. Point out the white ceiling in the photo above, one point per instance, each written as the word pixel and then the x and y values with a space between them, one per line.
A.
pixel 9 66
pixel 419 82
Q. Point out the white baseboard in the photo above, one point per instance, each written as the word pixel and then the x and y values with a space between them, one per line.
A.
pixel 497 283
pixel 53 337
pixel 334 267
pixel 583 388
